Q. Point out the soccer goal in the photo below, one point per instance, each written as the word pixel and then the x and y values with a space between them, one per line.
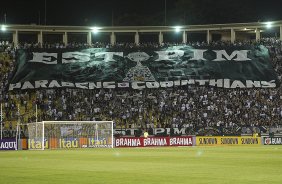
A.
pixel 70 134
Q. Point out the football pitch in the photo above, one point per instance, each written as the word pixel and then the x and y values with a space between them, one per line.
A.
pixel 238 164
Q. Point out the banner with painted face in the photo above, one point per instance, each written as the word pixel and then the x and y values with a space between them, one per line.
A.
pixel 138 68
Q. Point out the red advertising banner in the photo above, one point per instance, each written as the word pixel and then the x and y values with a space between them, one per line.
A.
pixel 153 141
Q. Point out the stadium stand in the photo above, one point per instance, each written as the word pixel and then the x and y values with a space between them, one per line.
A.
pixel 190 107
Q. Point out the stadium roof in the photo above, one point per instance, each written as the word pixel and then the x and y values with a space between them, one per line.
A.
pixel 237 26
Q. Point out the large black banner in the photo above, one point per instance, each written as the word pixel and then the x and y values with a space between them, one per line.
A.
pixel 137 68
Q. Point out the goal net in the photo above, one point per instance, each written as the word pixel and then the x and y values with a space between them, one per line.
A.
pixel 70 134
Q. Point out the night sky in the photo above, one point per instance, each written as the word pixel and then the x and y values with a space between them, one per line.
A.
pixel 133 12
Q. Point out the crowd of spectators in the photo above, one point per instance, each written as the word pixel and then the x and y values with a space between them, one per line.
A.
pixel 192 107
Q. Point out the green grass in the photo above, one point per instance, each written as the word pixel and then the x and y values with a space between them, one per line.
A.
pixel 238 164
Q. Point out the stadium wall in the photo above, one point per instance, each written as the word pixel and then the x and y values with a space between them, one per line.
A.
pixel 154 141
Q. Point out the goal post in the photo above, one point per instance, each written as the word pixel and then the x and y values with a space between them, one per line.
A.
pixel 35 136
pixel 70 134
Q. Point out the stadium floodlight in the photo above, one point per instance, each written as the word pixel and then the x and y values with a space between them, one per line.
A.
pixel 268 25
pixel 95 29
pixel 177 29
pixel 247 29
pixel 3 28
